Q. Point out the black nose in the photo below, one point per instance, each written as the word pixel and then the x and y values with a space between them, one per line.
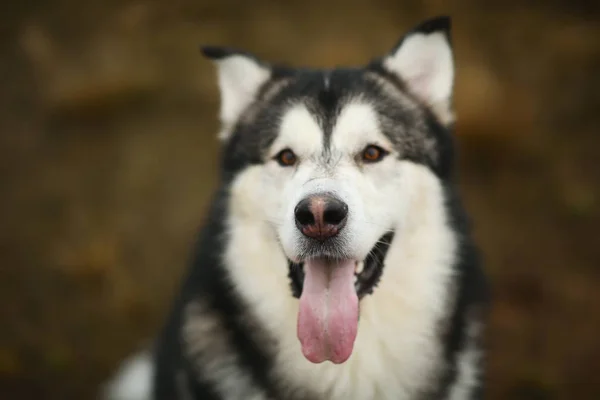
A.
pixel 321 216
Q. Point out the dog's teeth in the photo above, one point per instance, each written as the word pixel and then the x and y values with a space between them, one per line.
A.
pixel 359 267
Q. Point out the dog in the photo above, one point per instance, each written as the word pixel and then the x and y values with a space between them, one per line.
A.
pixel 336 261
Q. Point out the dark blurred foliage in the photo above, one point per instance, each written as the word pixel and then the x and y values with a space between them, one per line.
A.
pixel 108 118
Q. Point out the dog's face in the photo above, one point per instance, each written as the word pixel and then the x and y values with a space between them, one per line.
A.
pixel 321 156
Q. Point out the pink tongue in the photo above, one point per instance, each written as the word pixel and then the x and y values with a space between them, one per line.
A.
pixel 328 316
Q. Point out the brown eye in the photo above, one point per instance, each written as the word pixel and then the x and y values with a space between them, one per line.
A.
pixel 373 154
pixel 286 158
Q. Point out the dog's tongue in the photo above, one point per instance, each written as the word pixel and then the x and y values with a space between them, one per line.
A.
pixel 328 316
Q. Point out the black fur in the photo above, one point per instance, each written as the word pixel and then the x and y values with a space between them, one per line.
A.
pixel 472 294
pixel 441 24
pixel 207 279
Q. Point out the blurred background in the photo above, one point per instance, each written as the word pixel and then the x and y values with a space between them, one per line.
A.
pixel 108 122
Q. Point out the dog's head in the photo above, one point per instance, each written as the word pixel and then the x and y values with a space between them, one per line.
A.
pixel 320 156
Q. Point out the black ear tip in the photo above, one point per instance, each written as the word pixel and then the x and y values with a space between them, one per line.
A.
pixel 442 23
pixel 214 52
pixel 217 53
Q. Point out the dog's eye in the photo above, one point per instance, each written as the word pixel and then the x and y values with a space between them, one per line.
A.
pixel 286 158
pixel 373 154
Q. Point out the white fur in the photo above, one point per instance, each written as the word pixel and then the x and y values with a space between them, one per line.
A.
pixel 396 352
pixel 468 370
pixel 240 77
pixel 299 131
pixel 133 379
pixel 424 62
pixel 357 125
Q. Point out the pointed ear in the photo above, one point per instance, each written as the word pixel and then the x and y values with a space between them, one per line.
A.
pixel 240 77
pixel 423 61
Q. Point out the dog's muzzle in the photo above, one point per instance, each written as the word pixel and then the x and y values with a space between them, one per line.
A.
pixel 366 281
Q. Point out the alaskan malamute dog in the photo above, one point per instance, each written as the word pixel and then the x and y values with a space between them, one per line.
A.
pixel 336 262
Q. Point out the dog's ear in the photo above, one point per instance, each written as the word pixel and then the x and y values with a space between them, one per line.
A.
pixel 423 60
pixel 240 77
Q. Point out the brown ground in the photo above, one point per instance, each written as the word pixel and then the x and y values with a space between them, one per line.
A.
pixel 107 160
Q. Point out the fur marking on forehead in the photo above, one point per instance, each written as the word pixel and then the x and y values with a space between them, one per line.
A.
pixel 356 126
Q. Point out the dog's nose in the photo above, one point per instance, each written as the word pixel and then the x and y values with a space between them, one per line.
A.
pixel 321 216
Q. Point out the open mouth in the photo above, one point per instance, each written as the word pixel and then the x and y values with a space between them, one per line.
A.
pixel 329 291
pixel 366 273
